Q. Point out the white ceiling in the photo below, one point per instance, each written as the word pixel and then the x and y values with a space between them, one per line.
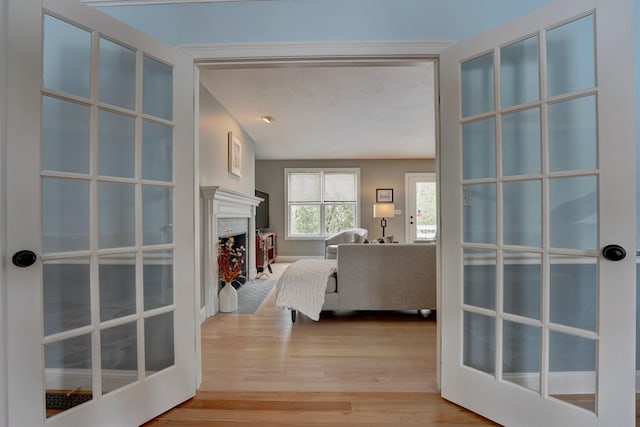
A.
pixel 378 111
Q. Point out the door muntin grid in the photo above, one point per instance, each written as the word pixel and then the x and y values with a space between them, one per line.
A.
pixel 530 216
pixel 107 212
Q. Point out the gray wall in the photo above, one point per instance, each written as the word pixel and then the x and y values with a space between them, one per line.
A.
pixel 215 124
pixel 373 174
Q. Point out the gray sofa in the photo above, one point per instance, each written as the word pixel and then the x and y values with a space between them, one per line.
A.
pixel 383 277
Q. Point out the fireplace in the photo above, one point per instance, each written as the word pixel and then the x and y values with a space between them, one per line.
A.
pixel 225 213
pixel 236 230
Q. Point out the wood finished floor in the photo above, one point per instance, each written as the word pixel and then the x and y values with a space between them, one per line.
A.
pixel 352 369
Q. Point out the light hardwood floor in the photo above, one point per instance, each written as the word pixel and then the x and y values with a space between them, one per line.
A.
pixel 349 369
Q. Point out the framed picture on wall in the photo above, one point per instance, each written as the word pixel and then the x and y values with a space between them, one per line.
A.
pixel 384 195
pixel 235 155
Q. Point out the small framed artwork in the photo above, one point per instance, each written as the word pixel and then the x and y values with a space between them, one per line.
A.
pixel 235 155
pixel 384 195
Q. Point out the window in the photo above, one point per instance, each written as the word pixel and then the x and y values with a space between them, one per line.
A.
pixel 321 201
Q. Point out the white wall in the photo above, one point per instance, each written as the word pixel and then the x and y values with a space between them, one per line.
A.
pixel 215 125
pixel 3 281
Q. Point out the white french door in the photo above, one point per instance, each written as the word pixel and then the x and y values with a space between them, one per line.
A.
pixel 538 178
pixel 101 292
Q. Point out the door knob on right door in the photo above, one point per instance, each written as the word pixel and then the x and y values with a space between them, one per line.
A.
pixel 614 252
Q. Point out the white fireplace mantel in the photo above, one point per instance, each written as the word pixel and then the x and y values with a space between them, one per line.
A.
pixel 219 202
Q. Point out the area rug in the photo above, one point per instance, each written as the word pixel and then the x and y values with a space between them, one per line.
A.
pixel 251 295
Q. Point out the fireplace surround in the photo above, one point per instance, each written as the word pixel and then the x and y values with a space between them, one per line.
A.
pixel 224 212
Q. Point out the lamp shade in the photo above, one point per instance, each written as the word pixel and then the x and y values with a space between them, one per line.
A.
pixel 383 210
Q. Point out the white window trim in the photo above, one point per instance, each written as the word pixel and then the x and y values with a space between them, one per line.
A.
pixel 315 170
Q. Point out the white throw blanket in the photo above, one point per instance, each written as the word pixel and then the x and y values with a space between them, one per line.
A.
pixel 303 284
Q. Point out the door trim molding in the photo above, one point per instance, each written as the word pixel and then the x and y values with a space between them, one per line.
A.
pixel 4 404
pixel 290 53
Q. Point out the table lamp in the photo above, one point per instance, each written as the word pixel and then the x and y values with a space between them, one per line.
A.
pixel 384 211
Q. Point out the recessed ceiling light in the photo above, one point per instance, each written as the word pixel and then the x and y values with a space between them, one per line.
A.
pixel 267 119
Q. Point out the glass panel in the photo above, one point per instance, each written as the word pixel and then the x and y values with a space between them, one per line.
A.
pixel 305 187
pixel 573 209
pixel 65 136
pixel 65 215
pixel 479 342
pixel 68 376
pixel 572 134
pixel 157 89
pixel 522 278
pixel 119 356
pixel 478 149
pixel 157 215
pixel 305 219
pixel 519 72
pixel 66 295
pixel 116 205
pixel 426 210
pixel 158 279
pixel 569 355
pixel 521 143
pixel 339 217
pixel 157 151
pixel 117 275
pixel 522 210
pixel 158 342
pixel 480 278
pixel 67 57
pixel 571 57
pixel 521 354
pixel 117 75
pixel 477 85
pixel 116 144
pixel 340 187
pixel 573 291
pixel 479 213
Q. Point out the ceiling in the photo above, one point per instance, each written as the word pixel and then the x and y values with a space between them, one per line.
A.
pixel 355 111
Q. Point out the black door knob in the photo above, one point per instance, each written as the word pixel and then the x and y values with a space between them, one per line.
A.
pixel 24 258
pixel 614 252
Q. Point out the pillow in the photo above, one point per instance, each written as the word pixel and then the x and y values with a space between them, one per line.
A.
pixel 358 238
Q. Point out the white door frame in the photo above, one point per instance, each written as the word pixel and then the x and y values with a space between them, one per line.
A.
pixel 4 420
pixel 209 55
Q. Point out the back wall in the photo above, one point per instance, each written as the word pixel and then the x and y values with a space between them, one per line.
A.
pixel 373 174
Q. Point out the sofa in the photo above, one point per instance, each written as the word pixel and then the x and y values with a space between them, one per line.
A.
pixel 377 276
pixel 347 236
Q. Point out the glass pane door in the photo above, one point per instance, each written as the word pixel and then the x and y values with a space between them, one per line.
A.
pixel 106 314
pixel 533 285
pixel 107 191
pixel 529 185
pixel 422 207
